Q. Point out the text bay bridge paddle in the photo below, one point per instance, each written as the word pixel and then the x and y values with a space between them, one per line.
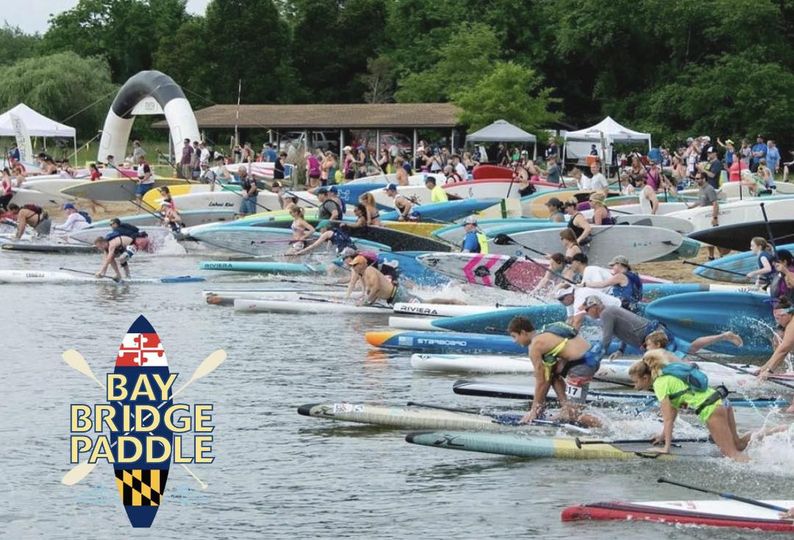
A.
pixel 505 240
pixel 729 496
pixel 506 419
pixel 76 361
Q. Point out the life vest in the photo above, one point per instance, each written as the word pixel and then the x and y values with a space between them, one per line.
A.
pixel 630 294
pixel 560 329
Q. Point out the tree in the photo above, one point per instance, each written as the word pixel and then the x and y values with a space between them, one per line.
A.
pixel 379 80
pixel 332 42
pixel 720 98
pixel 246 40
pixel 64 86
pixel 468 55
pixel 15 44
pixel 125 32
pixel 510 92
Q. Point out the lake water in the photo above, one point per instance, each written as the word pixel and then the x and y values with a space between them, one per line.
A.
pixel 277 474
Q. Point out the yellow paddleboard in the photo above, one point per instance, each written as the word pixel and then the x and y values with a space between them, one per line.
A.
pixel 419 229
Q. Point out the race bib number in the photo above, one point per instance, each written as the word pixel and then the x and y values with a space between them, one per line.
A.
pixel 573 392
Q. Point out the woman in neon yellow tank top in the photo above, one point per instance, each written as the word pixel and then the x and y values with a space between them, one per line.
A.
pixel 674 394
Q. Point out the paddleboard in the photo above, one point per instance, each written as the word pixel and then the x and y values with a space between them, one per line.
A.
pixel 30 276
pixel 263 267
pixel 153 198
pixel 413 227
pixel 157 235
pixel 396 240
pixel 594 397
pixel 444 342
pixel 412 417
pixel 737 237
pixel 52 185
pixel 114 190
pixel 443 211
pixel 719 513
pixel 692 315
pixel 259 241
pixel 23 196
pixel 48 247
pixel 227 298
pixel 492 270
pixel 409 267
pixel 470 363
pixel 738 212
pixel 445 310
pixel 488 188
pixel 519 445
pixel 140 483
pixel 496 322
pixel 491 171
pixel 190 218
pixel 637 243
pixel 741 263
pixel 306 306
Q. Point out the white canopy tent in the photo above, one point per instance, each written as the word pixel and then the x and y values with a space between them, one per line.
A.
pixel 36 123
pixel 604 134
pixel 503 131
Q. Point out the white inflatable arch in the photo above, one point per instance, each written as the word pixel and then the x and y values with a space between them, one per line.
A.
pixel 166 93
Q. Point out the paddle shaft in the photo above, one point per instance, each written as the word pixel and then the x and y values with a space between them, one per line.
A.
pixel 84 272
pixel 715 269
pixel 580 443
pixel 559 275
pixel 769 231
pixel 494 416
pixel 730 496
pixel 771 380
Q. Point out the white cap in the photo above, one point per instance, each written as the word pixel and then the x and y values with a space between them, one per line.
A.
pixel 562 293
pixel 471 220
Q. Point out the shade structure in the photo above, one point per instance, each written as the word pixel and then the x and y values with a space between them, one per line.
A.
pixel 36 123
pixel 501 131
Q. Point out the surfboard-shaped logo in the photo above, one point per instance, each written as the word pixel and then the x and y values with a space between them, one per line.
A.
pixel 141 483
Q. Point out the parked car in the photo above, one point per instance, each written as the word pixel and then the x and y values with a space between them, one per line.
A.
pixel 323 140
pixel 394 141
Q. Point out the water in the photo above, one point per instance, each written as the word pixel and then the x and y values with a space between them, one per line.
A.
pixel 277 474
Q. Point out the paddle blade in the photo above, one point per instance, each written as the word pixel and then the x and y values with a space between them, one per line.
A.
pixel 77 473
pixel 207 366
pixel 76 361
pixel 502 240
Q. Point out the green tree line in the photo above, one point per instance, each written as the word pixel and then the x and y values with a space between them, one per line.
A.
pixel 674 68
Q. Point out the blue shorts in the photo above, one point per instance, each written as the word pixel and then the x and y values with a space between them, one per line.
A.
pixel 248 205
pixel 143 189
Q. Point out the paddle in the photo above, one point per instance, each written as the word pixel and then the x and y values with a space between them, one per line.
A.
pixel 729 496
pixel 579 443
pixel 506 419
pixel 769 230
pixel 503 240
pixel 88 273
pixel 76 360
pixel 769 379
pixel 332 301
pixel 715 269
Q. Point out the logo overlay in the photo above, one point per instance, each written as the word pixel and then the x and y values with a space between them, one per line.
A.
pixel 141 430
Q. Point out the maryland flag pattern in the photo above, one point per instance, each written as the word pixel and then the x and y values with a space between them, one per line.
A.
pixel 141 487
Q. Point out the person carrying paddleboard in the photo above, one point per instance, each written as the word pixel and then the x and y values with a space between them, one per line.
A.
pixel 75 220
pixel 763 251
pixel 171 217
pixel 641 333
pixel 578 224
pixel 145 179
pixel 401 204
pixel 437 193
pixel 625 284
pixel 677 387
pixel 562 360
pixel 474 241
pixel 336 235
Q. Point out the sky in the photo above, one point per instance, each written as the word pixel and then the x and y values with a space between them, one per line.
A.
pixel 33 17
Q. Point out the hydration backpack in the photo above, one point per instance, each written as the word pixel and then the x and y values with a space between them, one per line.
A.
pixel 85 215
pixel 696 380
